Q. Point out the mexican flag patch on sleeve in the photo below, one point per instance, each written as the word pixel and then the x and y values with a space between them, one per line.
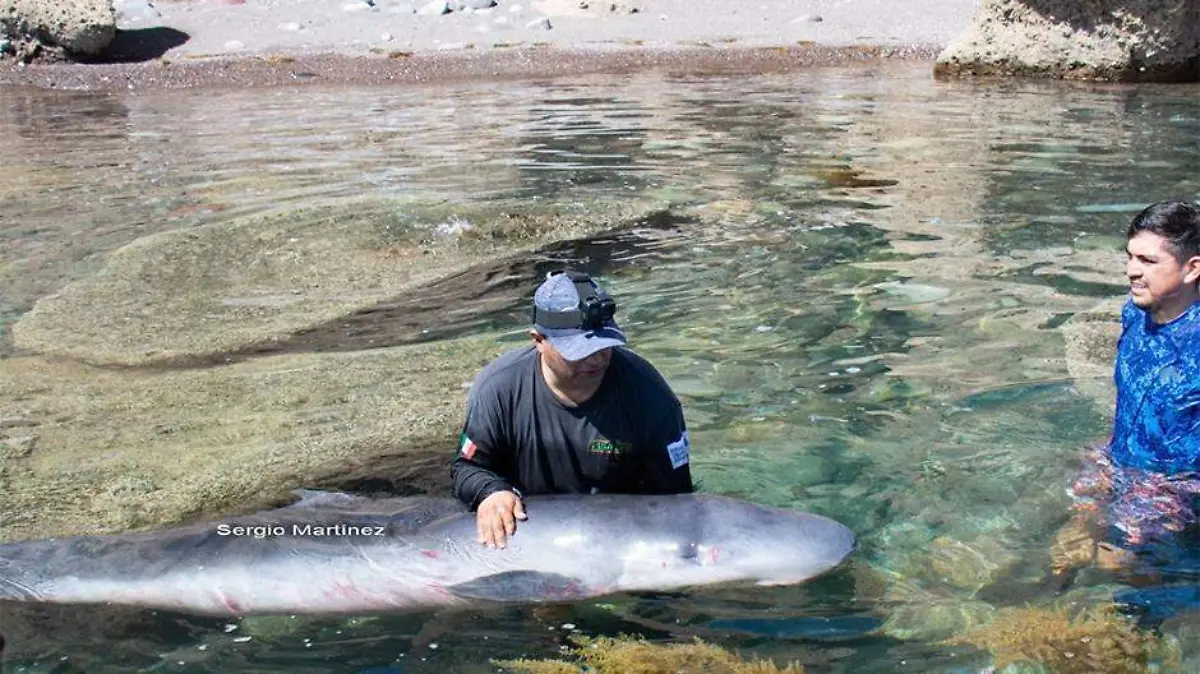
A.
pixel 466 446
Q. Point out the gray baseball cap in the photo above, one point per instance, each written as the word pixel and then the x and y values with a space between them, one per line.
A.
pixel 575 315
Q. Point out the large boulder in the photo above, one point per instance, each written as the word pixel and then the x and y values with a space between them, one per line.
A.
pixel 1111 40
pixel 1090 340
pixel 64 28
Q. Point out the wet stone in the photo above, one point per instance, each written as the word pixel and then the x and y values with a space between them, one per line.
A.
pixel 931 618
pixel 967 567
pixel 812 471
pixel 21 447
pixel 854 491
pixel 694 387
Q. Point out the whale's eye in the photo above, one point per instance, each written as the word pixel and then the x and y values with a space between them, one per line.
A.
pixel 688 550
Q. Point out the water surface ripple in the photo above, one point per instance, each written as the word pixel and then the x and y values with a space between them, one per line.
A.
pixel 859 312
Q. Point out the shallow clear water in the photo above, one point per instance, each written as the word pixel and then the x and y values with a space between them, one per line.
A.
pixel 862 322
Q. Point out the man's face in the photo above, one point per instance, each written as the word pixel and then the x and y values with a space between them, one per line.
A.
pixel 590 370
pixel 1156 278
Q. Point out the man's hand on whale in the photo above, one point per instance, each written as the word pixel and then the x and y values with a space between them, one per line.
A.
pixel 496 518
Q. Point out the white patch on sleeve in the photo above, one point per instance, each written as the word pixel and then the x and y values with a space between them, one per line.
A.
pixel 680 450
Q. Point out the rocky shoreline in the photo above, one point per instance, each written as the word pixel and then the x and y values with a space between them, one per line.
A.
pixel 402 68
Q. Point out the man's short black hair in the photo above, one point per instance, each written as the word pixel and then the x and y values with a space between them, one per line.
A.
pixel 1177 221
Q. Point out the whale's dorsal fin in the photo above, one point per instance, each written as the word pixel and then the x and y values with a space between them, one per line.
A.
pixel 523 586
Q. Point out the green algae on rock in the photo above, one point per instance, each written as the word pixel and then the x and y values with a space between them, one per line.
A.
pixel 192 295
pixel 126 449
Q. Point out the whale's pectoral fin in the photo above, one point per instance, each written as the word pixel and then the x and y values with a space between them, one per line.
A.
pixel 12 589
pixel 517 586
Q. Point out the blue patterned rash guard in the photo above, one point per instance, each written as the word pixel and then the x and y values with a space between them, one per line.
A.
pixel 1157 426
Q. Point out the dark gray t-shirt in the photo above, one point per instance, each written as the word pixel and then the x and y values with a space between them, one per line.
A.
pixel 629 437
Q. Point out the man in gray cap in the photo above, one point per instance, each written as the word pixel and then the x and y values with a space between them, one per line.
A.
pixel 573 412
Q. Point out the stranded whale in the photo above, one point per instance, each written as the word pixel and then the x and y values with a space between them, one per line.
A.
pixel 337 553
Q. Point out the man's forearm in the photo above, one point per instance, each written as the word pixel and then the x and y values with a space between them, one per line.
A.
pixel 473 483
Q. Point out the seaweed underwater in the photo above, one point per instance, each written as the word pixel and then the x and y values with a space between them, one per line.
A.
pixel 629 655
pixel 1096 639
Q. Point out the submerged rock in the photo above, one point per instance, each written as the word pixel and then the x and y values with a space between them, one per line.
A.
pixel 124 449
pixel 969 566
pixel 197 295
pixel 1114 40
pixel 919 615
pixel 914 293
pixel 61 28
pixel 1090 341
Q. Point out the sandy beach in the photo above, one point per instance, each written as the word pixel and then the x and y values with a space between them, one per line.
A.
pixel 173 43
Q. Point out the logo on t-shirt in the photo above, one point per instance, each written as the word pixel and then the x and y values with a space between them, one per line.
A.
pixel 680 450
pixel 603 445
pixel 466 446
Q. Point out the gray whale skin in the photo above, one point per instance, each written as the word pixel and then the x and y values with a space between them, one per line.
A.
pixel 336 553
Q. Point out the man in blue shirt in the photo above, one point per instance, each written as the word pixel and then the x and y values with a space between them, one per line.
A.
pixel 1141 484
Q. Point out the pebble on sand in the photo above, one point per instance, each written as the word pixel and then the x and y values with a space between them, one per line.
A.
pixel 134 11
pixel 434 8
